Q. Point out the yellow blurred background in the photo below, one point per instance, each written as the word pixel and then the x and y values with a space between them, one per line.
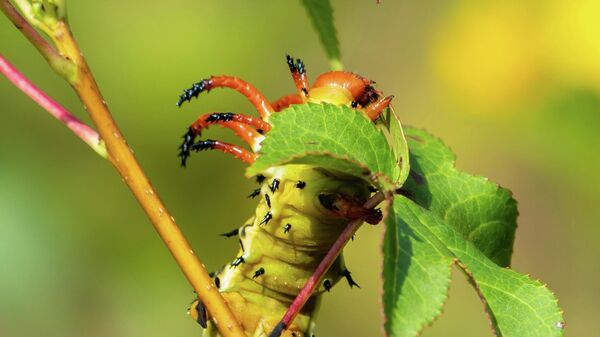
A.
pixel 512 86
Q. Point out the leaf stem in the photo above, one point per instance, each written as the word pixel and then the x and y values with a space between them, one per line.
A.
pixel 121 156
pixel 87 134
pixel 316 278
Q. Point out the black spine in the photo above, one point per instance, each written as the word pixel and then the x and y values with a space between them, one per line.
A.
pixel 194 91
pixel 203 145
pixel 219 117
pixel 231 233
pixel 186 146
pixel 238 260
pixel 351 283
pixel 274 185
pixel 266 218
pixel 258 272
pixel 254 193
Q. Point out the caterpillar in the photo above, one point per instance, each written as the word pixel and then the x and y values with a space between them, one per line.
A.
pixel 302 208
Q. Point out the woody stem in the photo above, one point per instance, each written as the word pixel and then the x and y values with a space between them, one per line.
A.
pixel 120 155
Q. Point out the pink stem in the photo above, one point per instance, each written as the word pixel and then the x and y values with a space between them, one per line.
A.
pixel 87 134
pixel 315 278
pixel 319 273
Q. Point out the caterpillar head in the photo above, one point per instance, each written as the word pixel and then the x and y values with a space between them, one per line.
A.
pixel 344 87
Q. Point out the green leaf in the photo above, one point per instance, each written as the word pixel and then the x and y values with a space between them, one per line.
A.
pixel 416 277
pixel 330 136
pixel 321 15
pixel 517 305
pixel 392 128
pixel 480 210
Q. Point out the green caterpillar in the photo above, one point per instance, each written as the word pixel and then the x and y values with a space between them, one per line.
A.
pixel 281 246
pixel 302 211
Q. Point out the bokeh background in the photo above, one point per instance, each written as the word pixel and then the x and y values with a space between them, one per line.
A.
pixel 512 86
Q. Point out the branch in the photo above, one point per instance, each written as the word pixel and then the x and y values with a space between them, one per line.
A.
pixel 87 134
pixel 61 65
pixel 124 161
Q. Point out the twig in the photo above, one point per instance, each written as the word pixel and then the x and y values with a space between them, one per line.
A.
pixel 87 134
pixel 56 61
pixel 124 161
pixel 319 273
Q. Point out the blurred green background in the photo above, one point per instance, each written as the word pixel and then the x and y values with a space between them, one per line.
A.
pixel 512 86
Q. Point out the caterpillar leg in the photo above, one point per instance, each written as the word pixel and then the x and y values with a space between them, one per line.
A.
pixel 240 124
pixel 209 144
pixel 261 104
pixel 299 75
pixel 285 101
pixel 375 109
pixel 246 133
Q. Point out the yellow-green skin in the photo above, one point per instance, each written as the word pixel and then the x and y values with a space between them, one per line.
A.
pixel 289 258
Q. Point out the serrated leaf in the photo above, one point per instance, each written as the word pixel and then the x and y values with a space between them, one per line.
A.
pixel 517 305
pixel 321 15
pixel 416 277
pixel 480 210
pixel 330 136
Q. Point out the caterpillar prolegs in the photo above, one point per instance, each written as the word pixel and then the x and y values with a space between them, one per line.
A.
pixel 302 210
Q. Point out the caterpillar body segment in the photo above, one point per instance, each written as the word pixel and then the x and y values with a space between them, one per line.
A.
pixel 286 259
